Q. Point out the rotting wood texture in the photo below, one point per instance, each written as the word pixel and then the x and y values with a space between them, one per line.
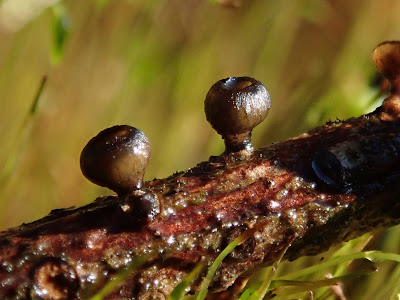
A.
pixel 321 188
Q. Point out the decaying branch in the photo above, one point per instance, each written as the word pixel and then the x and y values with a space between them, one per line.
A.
pixel 311 192
pixel 321 188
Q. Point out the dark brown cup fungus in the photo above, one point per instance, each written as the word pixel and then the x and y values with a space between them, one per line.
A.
pixel 233 107
pixel 387 60
pixel 117 158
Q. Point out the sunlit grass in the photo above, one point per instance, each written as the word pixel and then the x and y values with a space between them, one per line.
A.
pixel 181 289
pixel 211 271
pixel 299 282
pixel 21 135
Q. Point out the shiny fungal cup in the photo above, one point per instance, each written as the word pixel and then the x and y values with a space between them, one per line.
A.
pixel 233 107
pixel 387 60
pixel 117 158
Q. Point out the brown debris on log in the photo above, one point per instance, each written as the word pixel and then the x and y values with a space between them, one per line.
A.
pixel 321 188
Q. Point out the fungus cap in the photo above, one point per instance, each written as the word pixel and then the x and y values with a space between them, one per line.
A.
pixel 387 59
pixel 116 158
pixel 234 106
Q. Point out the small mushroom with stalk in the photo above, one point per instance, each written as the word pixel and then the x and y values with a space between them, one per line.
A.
pixel 387 60
pixel 233 107
pixel 117 158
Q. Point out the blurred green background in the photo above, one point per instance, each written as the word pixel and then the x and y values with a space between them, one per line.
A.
pixel 150 63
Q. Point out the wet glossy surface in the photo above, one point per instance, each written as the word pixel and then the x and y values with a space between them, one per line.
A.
pixel 234 106
pixel 277 191
pixel 117 158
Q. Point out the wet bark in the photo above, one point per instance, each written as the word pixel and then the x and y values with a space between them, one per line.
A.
pixel 311 192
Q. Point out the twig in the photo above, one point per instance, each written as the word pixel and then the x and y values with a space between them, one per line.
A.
pixel 321 188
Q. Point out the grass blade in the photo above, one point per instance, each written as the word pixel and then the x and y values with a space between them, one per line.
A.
pixel 370 255
pixel 112 285
pixel 39 92
pixel 19 139
pixel 285 288
pixel 263 289
pixel 250 291
pixel 236 242
pixel 180 290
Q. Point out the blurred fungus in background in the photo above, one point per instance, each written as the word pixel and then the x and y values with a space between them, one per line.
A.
pixel 150 63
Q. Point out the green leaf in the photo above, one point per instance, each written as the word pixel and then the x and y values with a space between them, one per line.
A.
pixel 60 29
pixel 250 291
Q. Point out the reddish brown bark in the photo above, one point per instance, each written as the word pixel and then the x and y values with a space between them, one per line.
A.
pixel 321 188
